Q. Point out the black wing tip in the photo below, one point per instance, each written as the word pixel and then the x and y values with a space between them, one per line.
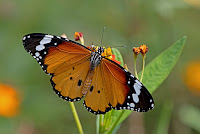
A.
pixel 27 36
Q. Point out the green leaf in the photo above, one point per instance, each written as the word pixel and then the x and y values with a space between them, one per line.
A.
pixel 118 56
pixel 156 72
pixel 164 118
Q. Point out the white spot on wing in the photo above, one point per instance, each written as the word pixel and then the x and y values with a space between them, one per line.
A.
pixel 37 54
pixel 40 47
pixel 45 40
pixel 24 37
pixel 132 76
pixel 125 70
pixel 135 98
pixel 132 105
pixel 139 83
pixel 137 88
pixel 152 105
pixel 50 36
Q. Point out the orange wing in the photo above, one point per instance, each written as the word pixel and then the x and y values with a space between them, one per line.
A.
pixel 114 87
pixel 108 88
pixel 66 61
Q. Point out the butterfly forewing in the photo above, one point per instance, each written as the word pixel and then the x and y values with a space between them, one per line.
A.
pixel 66 61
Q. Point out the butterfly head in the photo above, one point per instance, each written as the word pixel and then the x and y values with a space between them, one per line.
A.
pixel 100 50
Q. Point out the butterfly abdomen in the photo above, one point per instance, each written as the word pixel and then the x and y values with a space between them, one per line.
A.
pixel 94 61
pixel 87 84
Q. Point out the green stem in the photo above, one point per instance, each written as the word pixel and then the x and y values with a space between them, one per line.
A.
pixel 135 57
pixel 116 122
pixel 97 124
pixel 100 123
pixel 143 57
pixel 78 123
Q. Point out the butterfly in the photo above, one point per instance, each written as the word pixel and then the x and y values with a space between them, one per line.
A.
pixel 77 71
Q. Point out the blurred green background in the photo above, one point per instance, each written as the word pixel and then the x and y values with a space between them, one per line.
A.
pixel 156 23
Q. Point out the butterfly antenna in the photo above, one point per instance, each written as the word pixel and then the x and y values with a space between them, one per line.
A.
pixel 120 46
pixel 102 36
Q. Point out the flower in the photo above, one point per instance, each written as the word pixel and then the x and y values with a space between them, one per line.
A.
pixel 143 49
pixel 9 101
pixel 107 53
pixel 79 36
pixel 192 77
pixel 136 50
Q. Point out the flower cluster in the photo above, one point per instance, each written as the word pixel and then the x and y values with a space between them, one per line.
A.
pixel 143 49
pixel 107 51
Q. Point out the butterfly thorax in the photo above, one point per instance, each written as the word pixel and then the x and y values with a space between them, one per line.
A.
pixel 94 61
pixel 96 58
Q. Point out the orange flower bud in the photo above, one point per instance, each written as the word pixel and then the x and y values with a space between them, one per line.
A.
pixel 78 35
pixel 143 49
pixel 136 50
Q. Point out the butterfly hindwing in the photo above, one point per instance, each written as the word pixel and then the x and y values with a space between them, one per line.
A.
pixel 95 100
pixel 70 82
pixel 119 90
pixel 66 61
pixel 108 86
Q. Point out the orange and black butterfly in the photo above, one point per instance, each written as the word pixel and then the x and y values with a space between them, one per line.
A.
pixel 76 71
